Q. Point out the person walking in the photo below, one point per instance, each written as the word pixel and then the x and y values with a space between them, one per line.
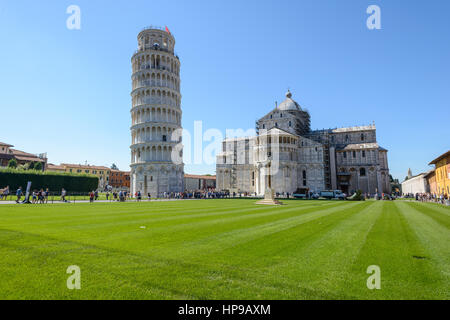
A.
pixel 47 193
pixel 19 194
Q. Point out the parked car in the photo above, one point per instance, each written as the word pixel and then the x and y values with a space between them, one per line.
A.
pixel 327 194
pixel 315 196
pixel 338 194
pixel 299 195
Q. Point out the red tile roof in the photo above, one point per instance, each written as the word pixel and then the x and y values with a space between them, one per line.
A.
pixel 445 155
pixel 82 166
pixel 25 156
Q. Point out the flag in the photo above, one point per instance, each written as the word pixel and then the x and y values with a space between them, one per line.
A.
pixel 167 30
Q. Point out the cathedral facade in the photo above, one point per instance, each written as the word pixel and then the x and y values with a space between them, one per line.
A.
pixel 289 157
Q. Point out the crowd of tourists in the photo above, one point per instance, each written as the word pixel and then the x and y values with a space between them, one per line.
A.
pixel 430 197
pixel 34 197
pixel 199 194
pixel 42 196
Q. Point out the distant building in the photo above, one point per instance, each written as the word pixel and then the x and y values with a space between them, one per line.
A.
pixel 119 179
pixel 5 154
pixel 55 168
pixel 199 182
pixel 431 181
pixel 103 173
pixel 22 157
pixel 442 173
pixel 416 184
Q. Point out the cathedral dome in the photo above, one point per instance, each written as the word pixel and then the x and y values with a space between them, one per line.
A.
pixel 289 103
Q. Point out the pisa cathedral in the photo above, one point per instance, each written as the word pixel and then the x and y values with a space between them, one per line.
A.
pixel 289 157
pixel 156 146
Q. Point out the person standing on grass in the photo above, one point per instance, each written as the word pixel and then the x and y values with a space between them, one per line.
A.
pixel 107 195
pixel 5 193
pixel 96 195
pixel 19 194
pixel 91 196
pixel 47 193
pixel 63 195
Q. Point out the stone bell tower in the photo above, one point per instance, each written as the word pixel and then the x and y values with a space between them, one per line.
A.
pixel 156 145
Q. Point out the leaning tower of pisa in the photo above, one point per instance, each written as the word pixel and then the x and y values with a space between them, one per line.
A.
pixel 156 147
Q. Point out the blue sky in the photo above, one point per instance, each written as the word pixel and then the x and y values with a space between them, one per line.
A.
pixel 67 92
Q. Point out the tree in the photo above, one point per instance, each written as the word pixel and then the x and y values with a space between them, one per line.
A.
pixel 30 165
pixel 12 163
pixel 38 166
pixel 114 167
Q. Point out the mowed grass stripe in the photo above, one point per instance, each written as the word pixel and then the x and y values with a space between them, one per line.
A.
pixel 290 261
pixel 109 212
pixel 435 237
pixel 393 245
pixel 115 226
pixel 247 229
pixel 432 212
pixel 164 220
pixel 38 272
pixel 83 212
pixel 325 265
pixel 437 207
pixel 177 233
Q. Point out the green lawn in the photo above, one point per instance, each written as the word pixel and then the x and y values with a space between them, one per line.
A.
pixel 225 249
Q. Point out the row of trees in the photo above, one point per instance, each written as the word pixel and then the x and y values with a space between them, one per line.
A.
pixel 54 181
pixel 27 166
